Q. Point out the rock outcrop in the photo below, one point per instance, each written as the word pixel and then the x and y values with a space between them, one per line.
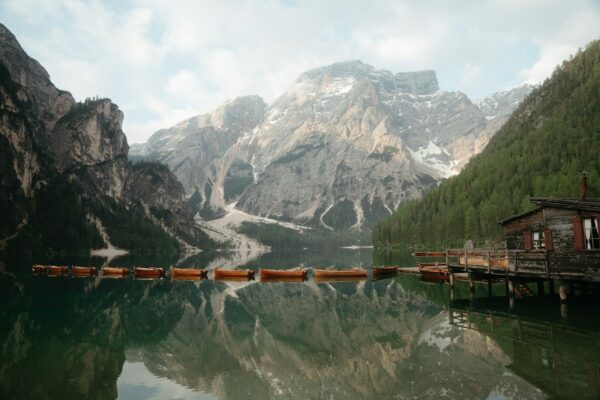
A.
pixel 154 187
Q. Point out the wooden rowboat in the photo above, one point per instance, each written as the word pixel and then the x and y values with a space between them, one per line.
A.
pixel 434 273
pixel 147 272
pixel 39 269
pixel 188 273
pixel 233 274
pixel 384 270
pixel 379 273
pixel 339 274
pixel 115 271
pixel 58 270
pixel 274 275
pixel 84 271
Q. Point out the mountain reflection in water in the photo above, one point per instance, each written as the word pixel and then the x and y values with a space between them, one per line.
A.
pixel 97 338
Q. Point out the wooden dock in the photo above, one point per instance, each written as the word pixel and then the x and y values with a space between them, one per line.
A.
pixel 516 268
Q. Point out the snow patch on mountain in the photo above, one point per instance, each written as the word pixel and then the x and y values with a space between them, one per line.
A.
pixel 436 158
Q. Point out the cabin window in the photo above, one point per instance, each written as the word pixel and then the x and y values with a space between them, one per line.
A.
pixel 590 232
pixel 538 240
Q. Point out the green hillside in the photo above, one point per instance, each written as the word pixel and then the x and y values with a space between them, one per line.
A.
pixel 542 150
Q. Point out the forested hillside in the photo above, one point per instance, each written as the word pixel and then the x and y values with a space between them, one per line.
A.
pixel 547 143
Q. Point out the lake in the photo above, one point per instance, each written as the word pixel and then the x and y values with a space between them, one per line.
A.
pixel 400 338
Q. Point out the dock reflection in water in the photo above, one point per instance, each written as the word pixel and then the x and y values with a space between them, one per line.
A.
pixel 562 357
pixel 105 339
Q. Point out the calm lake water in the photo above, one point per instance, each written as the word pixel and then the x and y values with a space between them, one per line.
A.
pixel 74 338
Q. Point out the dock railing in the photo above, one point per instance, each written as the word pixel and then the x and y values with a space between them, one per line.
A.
pixel 477 260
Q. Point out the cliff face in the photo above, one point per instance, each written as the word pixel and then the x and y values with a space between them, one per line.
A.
pixel 194 150
pixel 47 138
pixel 153 187
pixel 89 139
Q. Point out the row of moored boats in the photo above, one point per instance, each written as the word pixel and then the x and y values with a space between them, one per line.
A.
pixel 266 275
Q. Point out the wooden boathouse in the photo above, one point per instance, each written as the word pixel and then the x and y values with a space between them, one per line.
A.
pixel 559 240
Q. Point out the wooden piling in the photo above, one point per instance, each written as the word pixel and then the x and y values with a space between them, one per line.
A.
pixel 562 291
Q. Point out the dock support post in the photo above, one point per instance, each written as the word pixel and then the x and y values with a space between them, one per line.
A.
pixel 511 294
pixel 540 287
pixel 562 291
pixel 471 286
pixel 451 275
pixel 564 311
pixel 490 294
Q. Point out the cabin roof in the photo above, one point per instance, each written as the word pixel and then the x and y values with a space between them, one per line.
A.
pixel 592 205
pixel 569 204
pixel 519 216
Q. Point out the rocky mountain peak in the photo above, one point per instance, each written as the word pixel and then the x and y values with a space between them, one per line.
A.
pixel 90 133
pixel 89 139
pixel 503 103
pixel 33 79
pixel 340 78
pixel 242 113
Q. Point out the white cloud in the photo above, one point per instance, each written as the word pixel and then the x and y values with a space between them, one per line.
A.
pixel 189 56
pixel 576 30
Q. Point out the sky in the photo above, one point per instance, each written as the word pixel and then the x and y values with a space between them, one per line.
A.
pixel 165 61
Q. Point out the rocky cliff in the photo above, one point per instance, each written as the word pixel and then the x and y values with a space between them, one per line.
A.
pixel 66 163
pixel 344 146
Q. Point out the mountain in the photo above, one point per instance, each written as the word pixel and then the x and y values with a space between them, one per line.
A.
pixel 344 146
pixel 65 174
pixel 551 138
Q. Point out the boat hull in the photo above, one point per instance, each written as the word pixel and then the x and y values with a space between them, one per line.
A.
pixel 39 269
pixel 150 273
pixel 434 273
pixel 384 270
pixel 84 271
pixel 275 275
pixel 115 272
pixel 327 275
pixel 188 273
pixel 58 270
pixel 233 275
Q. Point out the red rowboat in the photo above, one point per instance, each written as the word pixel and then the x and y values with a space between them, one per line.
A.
pixel 277 275
pixel 39 269
pixel 339 274
pixel 58 270
pixel 188 273
pixel 143 272
pixel 434 273
pixel 84 271
pixel 233 274
pixel 115 271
